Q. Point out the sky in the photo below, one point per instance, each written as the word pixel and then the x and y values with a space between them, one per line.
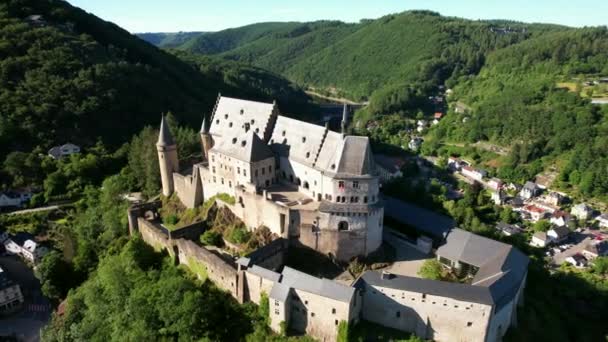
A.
pixel 205 15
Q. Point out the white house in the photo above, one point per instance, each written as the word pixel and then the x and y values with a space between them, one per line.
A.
pixel 23 244
pixel 602 220
pixel 57 152
pixel 554 198
pixel 577 260
pixel 498 197
pixel 581 211
pixel 560 218
pixel 455 164
pixel 529 190
pixel 495 183
pixel 471 173
pixel 415 143
pixel 539 239
pixel 558 234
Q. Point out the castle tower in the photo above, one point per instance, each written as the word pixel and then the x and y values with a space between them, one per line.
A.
pixel 167 157
pixel 344 118
pixel 206 139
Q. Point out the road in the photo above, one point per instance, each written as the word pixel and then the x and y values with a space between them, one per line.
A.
pixel 36 311
pixel 34 210
pixel 580 241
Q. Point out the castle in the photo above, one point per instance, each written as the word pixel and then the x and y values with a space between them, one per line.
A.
pixel 302 181
pixel 317 188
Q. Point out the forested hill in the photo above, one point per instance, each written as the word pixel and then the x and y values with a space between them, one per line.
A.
pixel 67 75
pixel 358 59
pixel 168 40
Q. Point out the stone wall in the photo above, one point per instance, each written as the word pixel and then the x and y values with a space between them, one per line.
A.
pixel 222 272
pixel 189 188
pixel 428 316
pixel 153 234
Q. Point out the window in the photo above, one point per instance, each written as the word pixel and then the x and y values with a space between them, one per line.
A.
pixel 276 311
pixel 364 199
pixel 242 111
pixel 276 303
pixel 222 181
pixel 341 184
pixel 244 172
pixel 303 139
pixel 424 295
pixel 213 169
pixel 330 197
pixel 356 184
pixel 336 322
pixel 307 154
pixel 398 314
pixel 283 133
pixel 230 184
pixel 312 314
pixel 343 225
pixel 214 179
pixel 270 169
pixel 230 124
pixel 238 170
pixel 305 302
pixel 212 158
pixel 343 199
pixel 469 324
pixel 333 311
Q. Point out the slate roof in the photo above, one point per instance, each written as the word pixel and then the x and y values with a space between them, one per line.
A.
pixel 319 286
pixel 264 273
pixel 502 267
pixel 21 237
pixel 464 292
pixel 232 115
pixel 561 231
pixel 509 228
pixel 422 219
pixel 530 186
pixel 164 135
pixel 279 292
pixel 249 148
pixel 297 140
pixel 356 158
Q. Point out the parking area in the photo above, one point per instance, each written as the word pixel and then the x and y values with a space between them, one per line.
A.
pixel 36 310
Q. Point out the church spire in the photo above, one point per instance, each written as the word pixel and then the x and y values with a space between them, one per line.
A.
pixel 164 136
pixel 204 128
pixel 344 118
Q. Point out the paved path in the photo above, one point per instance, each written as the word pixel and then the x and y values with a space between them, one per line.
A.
pixel 33 210
pixel 407 259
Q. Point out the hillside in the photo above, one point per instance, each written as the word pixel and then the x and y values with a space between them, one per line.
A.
pixel 516 102
pixel 168 39
pixel 70 76
pixel 356 60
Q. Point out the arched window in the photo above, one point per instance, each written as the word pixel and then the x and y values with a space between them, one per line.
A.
pixel 343 225
pixel 306 185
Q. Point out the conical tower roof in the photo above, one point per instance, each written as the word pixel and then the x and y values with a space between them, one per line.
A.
pixel 164 136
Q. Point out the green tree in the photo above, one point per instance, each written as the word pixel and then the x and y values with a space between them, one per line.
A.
pixel 55 275
pixel 431 269
pixel 211 238
pixel 541 226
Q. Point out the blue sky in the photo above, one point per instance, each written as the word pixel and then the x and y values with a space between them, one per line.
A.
pixel 206 15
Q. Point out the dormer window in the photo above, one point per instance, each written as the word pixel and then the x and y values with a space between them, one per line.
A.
pixel 257 130
pixel 333 166
pixel 243 143
pixel 217 121
pixel 247 127
pixel 234 140
pixel 284 133
pixel 225 116
pixel 252 121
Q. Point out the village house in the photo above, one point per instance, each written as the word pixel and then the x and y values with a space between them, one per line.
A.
pixel 602 220
pixel 581 211
pixel 498 197
pixel 58 152
pixel 595 249
pixel 455 164
pixel 555 198
pixel 14 199
pixel 11 297
pixel 23 244
pixel 577 260
pixel 529 190
pixel 415 143
pixel 560 218
pixel 495 183
pixel 539 239
pixel 388 168
pixel 472 173
pixel 509 229
pixel 558 234
pixel 534 212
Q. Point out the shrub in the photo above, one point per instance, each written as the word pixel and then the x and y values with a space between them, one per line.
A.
pixel 431 269
pixel 239 235
pixel 211 238
pixel 170 220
